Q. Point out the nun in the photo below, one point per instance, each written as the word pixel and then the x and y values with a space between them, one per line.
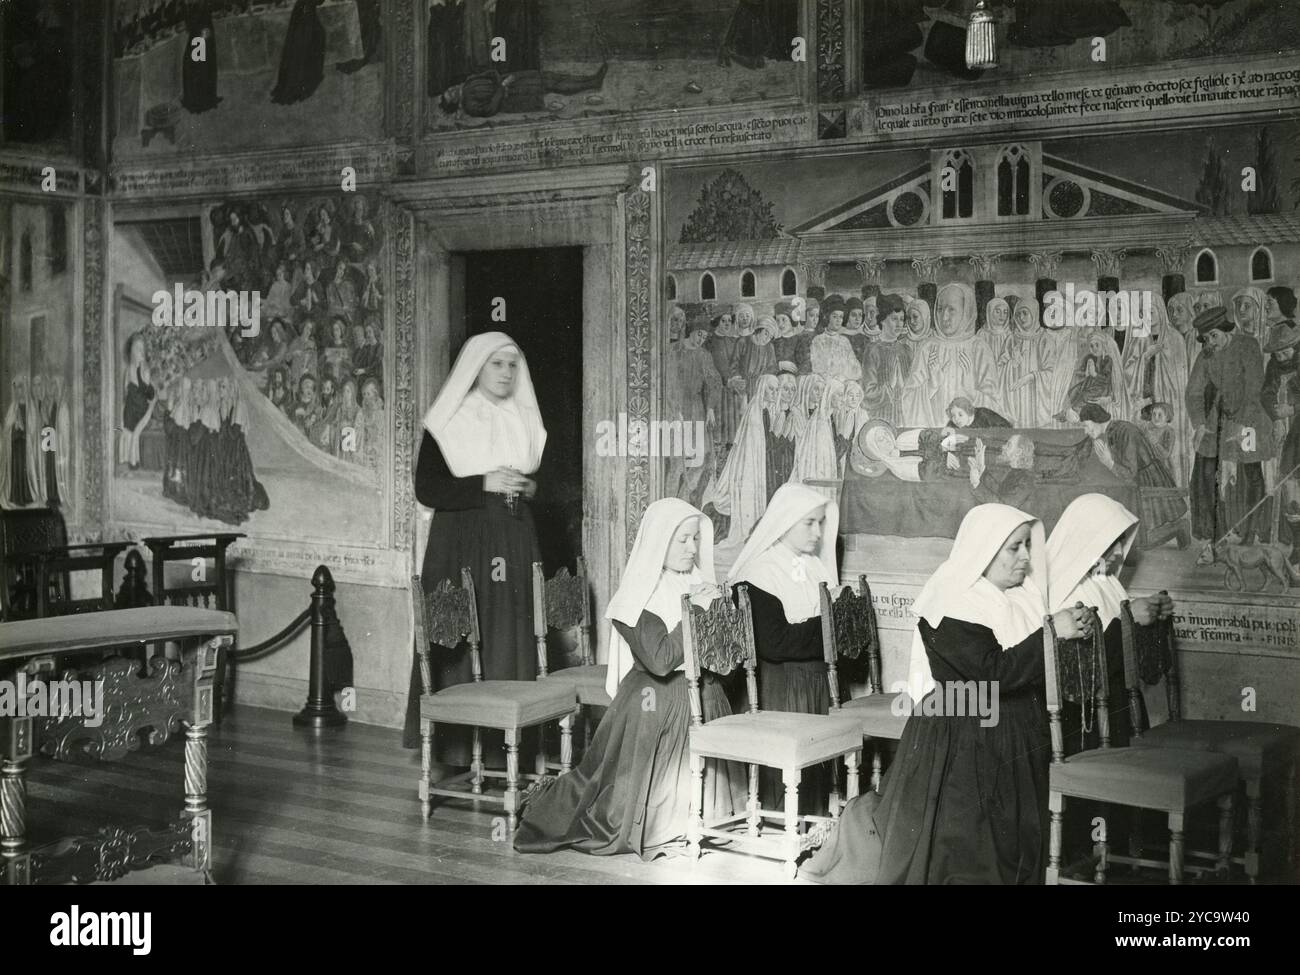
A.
pixel 631 792
pixel 965 801
pixel 1085 553
pixel 483 438
pixel 790 553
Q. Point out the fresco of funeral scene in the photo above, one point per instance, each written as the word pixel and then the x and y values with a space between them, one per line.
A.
pixel 826 330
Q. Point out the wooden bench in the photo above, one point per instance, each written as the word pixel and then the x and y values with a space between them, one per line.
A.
pixel 142 708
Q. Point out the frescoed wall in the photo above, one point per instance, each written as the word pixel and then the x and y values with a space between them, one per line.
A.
pixel 886 332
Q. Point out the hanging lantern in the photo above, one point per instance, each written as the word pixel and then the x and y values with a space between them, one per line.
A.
pixel 981 39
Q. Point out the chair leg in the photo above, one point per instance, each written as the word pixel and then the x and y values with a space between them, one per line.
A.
pixel 876 768
pixel 695 823
pixel 1224 862
pixel 1056 805
pixel 753 819
pixel 852 760
pixel 835 800
pixel 1175 848
pixel 1101 848
pixel 790 777
pixel 476 764
pixel 512 779
pixel 566 742
pixel 539 760
pixel 426 763
pixel 1254 827
pixel 1135 844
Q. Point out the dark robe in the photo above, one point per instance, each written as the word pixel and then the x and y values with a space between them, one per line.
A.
pixel 473 528
pixel 779 457
pixel 50 458
pixel 792 676
pixel 1007 486
pixel 962 803
pixel 199 78
pixel 983 419
pixel 447 65
pixel 1223 396
pixel 371 26
pixel 20 488
pixel 1279 376
pixel 1137 462
pixel 519 22
pixel 139 394
pixel 631 791
pixel 236 491
pixel 302 60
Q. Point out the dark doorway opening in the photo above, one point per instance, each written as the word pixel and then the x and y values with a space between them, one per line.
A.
pixel 542 294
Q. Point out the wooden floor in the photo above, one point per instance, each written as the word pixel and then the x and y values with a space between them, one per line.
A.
pixel 341 808
pixel 338 808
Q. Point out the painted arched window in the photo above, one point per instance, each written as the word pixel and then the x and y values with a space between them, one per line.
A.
pixel 1013 182
pixel 708 289
pixel 957 185
pixel 748 284
pixel 1261 265
pixel 789 283
pixel 672 288
pixel 1207 267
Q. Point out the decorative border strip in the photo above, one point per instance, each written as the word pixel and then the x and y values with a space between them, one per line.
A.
pixel 636 283
pixel 405 42
pixel 401 225
pixel 830 50
pixel 92 347
pixel 281 169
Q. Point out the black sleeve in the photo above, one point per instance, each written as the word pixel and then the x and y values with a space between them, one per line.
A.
pixel 777 640
pixel 435 485
pixel 968 651
pixel 656 648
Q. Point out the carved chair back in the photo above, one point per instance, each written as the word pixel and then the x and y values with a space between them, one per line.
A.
pixel 445 616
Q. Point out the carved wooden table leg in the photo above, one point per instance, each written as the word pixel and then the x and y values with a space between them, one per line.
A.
pixel 15 750
pixel 206 657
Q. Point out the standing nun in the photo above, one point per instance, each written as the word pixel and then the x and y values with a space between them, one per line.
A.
pixel 631 792
pixel 790 553
pixel 483 437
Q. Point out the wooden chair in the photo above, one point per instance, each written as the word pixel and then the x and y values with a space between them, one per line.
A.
pixel 1264 752
pixel 23 533
pixel 446 616
pixel 849 630
pixel 719 640
pixel 563 603
pixel 1171 780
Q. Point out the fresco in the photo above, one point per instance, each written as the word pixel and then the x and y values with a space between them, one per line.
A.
pixel 221 75
pixel 269 425
pixel 503 61
pixel 835 329
pixel 911 43
pixel 39 437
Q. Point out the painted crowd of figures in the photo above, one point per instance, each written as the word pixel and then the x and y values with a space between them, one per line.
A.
pixel 784 395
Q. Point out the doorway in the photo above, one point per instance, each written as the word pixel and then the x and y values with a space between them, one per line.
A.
pixel 537 298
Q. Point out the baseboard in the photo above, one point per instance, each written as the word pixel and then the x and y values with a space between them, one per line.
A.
pixel 372 706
